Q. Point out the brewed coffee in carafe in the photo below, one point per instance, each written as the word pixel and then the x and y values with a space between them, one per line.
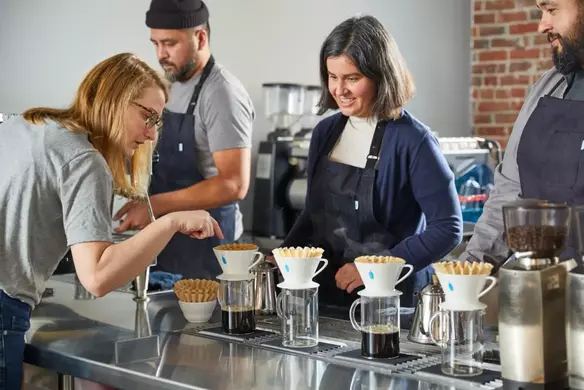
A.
pixel 379 325
pixel 236 298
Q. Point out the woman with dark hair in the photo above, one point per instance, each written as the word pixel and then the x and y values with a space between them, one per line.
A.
pixel 377 181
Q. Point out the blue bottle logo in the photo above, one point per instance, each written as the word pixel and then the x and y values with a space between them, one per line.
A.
pixel 287 268
pixel 223 259
pixel 450 286
pixel 371 275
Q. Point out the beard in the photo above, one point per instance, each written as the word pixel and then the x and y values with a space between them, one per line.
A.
pixel 569 57
pixel 181 75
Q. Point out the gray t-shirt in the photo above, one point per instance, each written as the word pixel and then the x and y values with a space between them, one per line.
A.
pixel 55 191
pixel 224 118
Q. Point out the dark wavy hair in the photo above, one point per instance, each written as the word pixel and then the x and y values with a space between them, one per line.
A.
pixel 375 53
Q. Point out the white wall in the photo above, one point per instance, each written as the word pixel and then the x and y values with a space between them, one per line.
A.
pixel 46 47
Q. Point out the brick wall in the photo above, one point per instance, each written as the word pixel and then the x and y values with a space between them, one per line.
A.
pixel 508 55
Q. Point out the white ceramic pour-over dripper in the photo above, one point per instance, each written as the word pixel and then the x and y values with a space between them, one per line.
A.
pixel 462 292
pixel 299 271
pixel 236 264
pixel 381 278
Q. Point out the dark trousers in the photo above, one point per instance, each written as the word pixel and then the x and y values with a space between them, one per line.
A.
pixel 14 323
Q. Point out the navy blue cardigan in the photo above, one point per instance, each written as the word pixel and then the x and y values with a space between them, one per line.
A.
pixel 415 198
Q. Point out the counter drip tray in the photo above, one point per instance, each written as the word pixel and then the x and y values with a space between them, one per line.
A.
pixel 254 337
pixel 355 356
pixel 322 347
pixel 488 377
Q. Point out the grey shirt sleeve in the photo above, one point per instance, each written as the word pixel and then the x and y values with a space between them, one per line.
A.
pixel 86 188
pixel 228 116
pixel 488 240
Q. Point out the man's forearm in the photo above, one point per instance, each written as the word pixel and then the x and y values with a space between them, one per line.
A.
pixel 207 194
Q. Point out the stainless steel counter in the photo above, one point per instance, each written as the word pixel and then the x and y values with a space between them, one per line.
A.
pixel 117 342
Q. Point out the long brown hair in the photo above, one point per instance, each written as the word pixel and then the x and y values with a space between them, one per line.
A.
pixel 99 109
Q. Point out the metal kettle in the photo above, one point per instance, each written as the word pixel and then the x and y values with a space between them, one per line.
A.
pixel 265 287
pixel 428 303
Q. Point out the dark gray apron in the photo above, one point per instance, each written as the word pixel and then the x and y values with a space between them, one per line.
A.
pixel 343 216
pixel 550 156
pixel 177 169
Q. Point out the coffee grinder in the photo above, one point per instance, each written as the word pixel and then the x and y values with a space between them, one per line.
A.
pixel 284 106
pixel 532 296
pixel 310 117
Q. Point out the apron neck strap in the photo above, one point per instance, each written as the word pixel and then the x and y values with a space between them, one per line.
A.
pixel 376 143
pixel 195 98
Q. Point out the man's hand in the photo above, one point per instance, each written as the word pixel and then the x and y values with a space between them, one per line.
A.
pixel 133 216
pixel 348 278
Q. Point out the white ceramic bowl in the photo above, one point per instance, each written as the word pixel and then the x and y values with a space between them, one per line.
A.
pixel 198 311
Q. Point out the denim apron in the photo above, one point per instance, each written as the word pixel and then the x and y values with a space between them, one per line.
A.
pixel 177 169
pixel 550 155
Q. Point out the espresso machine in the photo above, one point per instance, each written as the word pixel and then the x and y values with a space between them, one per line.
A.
pixel 473 161
pixel 280 180
pixel 532 296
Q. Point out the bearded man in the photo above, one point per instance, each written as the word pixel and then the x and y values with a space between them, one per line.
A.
pixel 546 148
pixel 204 149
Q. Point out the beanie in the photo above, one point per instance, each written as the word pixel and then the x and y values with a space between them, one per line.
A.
pixel 176 14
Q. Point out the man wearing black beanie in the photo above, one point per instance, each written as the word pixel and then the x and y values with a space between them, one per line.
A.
pixel 204 147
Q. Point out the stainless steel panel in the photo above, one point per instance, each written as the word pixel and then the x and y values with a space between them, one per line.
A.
pixel 80 338
pixel 531 325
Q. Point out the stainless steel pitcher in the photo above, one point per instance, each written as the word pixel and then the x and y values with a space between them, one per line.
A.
pixel 428 303
pixel 265 288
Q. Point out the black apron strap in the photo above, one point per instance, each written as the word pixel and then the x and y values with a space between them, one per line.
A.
pixel 373 157
pixel 550 93
pixel 195 98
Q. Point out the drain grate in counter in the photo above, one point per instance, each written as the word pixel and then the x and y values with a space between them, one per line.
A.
pixel 322 347
pixel 355 355
pixel 485 378
pixel 256 336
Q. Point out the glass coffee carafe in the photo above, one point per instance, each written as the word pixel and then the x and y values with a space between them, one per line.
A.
pixel 461 341
pixel 236 298
pixel 379 325
pixel 298 310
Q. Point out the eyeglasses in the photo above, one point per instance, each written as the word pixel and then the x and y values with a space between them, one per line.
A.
pixel 153 121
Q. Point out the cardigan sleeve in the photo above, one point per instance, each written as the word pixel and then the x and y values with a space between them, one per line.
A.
pixel 434 190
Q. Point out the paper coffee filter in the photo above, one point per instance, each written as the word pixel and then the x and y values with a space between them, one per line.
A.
pixel 299 252
pixel 195 296
pixel 463 267
pixel 196 290
pixel 379 260
pixel 196 284
pixel 237 247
